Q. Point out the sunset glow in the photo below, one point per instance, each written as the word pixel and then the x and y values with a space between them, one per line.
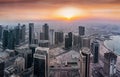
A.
pixel 15 10
pixel 69 12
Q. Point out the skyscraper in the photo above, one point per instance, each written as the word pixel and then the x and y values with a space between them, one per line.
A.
pixel 31 32
pixel 56 37
pixel 20 32
pixel 23 29
pixel 1 31
pixel 45 29
pixel 5 39
pixel 85 42
pixel 75 40
pixel 51 36
pixel 110 64
pixel 59 37
pixel 80 41
pixel 85 62
pixel 81 30
pixel 42 36
pixel 95 51
pixel 11 39
pixel 17 35
pixel 67 42
pixel 35 39
pixel 41 62
pixel 28 58
pixel 70 38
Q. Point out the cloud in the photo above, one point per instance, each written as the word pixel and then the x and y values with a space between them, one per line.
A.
pixel 60 1
pixel 15 1
pixel 35 9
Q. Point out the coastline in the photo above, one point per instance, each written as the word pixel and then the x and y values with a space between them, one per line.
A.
pixel 104 49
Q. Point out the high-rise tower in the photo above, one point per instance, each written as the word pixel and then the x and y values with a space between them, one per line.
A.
pixel 81 30
pixel 31 32
pixel 45 29
pixel 41 62
pixel 85 62
pixel 95 51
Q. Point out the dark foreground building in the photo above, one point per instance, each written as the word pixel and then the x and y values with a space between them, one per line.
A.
pixel 41 62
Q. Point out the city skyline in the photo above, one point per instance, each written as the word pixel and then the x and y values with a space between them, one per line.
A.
pixel 30 53
pixel 59 38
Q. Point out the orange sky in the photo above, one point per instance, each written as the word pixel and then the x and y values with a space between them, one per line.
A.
pixel 46 9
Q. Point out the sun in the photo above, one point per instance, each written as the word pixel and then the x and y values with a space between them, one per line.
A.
pixel 68 12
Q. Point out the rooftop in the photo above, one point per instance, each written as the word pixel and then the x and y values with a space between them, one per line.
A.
pixel 85 50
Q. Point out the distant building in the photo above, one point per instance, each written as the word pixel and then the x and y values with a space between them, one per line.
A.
pixel 95 51
pixel 80 41
pixel 31 32
pixel 51 37
pixel 70 35
pixel 2 66
pixel 17 35
pixel 41 62
pixel 23 32
pixel 45 29
pixel 5 39
pixel 81 30
pixel 85 42
pixel 1 32
pixel 20 32
pixel 85 62
pixel 67 42
pixel 59 37
pixel 77 41
pixel 110 64
pixel 42 36
pixel 11 39
pixel 36 38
